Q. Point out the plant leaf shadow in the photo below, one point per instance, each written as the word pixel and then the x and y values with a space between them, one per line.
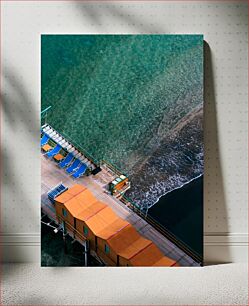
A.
pixel 96 14
pixel 21 120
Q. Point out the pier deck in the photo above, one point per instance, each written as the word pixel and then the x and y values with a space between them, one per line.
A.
pixel 52 175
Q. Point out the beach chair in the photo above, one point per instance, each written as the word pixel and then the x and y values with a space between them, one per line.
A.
pixel 81 170
pixel 44 140
pixel 65 162
pixel 54 151
pixel 75 165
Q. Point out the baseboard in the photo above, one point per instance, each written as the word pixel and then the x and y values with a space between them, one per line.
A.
pixel 225 247
pixel 20 247
pixel 218 247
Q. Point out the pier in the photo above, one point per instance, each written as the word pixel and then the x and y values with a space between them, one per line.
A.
pixel 52 175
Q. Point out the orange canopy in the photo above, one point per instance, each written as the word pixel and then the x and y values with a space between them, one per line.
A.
pixel 80 202
pixel 91 210
pixel 105 223
pixel 113 228
pixel 166 262
pixel 46 147
pixel 100 220
pixel 85 197
pixel 74 207
pixel 147 257
pixel 70 193
pixel 63 198
pixel 128 242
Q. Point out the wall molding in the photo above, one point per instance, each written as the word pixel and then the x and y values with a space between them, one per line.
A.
pixel 20 239
pixel 229 239
pixel 218 247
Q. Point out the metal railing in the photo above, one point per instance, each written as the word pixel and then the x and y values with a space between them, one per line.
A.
pixel 113 167
pixel 44 112
pixel 97 162
pixel 79 148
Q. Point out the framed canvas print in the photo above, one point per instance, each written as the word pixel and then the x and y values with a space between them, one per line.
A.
pixel 122 150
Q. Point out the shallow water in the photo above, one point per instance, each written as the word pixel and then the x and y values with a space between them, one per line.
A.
pixel 110 93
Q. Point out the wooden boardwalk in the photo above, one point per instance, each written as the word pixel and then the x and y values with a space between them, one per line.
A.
pixel 52 175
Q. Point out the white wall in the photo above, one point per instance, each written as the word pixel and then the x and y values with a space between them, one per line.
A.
pixel 224 25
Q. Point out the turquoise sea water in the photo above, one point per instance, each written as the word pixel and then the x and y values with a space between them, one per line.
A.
pixel 113 93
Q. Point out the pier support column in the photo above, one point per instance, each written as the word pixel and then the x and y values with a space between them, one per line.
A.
pixel 64 236
pixel 86 250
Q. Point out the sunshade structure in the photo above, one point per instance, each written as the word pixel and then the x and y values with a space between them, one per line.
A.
pixel 46 148
pixel 69 194
pixel 113 239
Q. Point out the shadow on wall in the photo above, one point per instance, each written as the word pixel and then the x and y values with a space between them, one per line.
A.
pixel 95 14
pixel 27 119
pixel 214 194
pixel 20 117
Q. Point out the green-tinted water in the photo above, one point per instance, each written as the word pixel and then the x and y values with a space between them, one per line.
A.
pixel 111 93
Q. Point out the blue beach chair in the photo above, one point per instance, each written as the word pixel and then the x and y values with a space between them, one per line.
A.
pixel 65 162
pixel 44 140
pixel 74 166
pixel 81 170
pixel 55 192
pixel 55 151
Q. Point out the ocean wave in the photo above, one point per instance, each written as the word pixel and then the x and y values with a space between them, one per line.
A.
pixel 158 189
pixel 185 183
pixel 177 160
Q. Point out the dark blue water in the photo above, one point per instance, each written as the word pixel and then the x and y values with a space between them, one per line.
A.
pixel 181 212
